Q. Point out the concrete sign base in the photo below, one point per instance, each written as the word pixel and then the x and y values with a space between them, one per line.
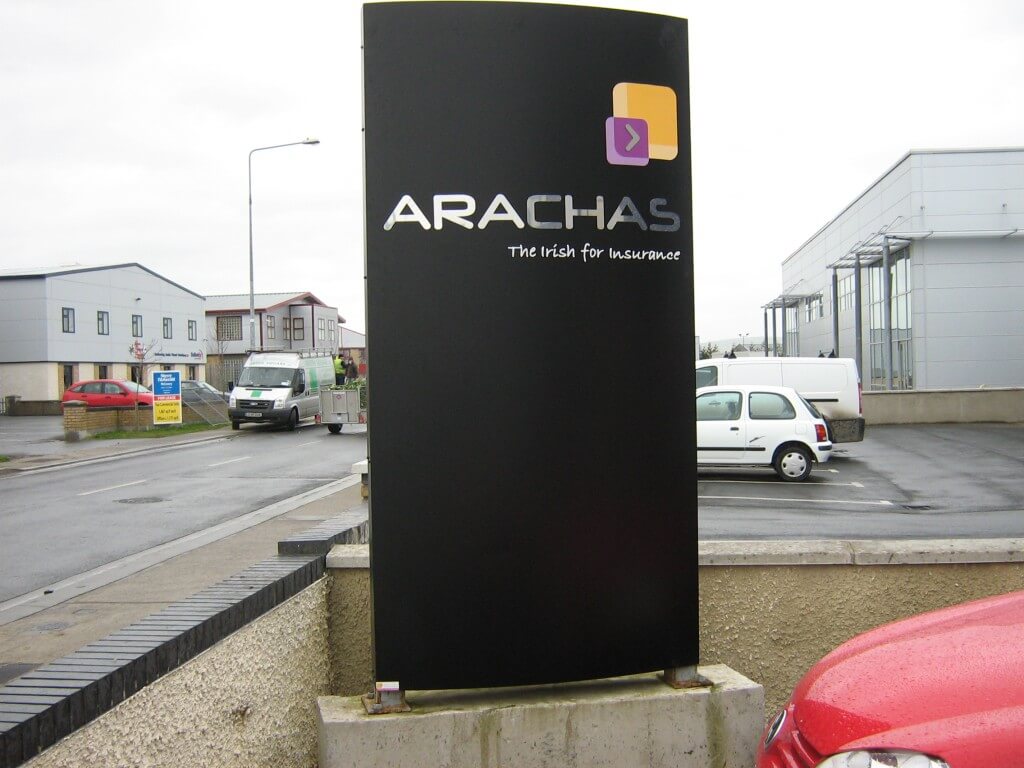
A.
pixel 629 722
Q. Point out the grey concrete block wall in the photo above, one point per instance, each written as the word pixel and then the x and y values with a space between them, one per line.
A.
pixel 768 610
pixel 945 406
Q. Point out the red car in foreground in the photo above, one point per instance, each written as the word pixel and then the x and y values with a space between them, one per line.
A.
pixel 941 690
pixel 108 392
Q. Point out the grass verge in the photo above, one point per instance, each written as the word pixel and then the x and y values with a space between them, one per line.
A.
pixel 157 432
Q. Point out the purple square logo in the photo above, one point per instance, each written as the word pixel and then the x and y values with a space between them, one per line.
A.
pixel 627 141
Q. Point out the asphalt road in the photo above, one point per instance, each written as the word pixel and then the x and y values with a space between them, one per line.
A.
pixel 60 522
pixel 935 481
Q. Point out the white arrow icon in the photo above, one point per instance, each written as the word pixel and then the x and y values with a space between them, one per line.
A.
pixel 635 138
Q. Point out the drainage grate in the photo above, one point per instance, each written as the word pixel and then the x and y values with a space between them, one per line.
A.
pixel 51 626
pixel 141 500
pixel 916 507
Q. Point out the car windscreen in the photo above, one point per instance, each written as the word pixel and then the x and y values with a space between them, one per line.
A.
pixel 131 385
pixel 266 377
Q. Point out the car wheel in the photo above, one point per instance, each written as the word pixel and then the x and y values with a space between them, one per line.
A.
pixel 293 419
pixel 792 463
pixel 235 425
pixel 334 428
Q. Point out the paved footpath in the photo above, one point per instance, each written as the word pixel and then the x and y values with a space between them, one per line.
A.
pixel 58 630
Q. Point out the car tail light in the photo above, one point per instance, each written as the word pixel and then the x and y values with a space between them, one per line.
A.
pixel 820 432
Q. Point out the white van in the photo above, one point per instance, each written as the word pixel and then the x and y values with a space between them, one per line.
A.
pixel 280 387
pixel 831 383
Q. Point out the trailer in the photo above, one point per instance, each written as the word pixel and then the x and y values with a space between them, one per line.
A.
pixel 339 406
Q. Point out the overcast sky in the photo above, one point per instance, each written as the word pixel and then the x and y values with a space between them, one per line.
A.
pixel 126 125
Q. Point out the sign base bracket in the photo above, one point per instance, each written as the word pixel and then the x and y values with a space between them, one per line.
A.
pixel 685 677
pixel 386 699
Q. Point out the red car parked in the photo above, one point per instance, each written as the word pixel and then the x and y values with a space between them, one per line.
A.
pixel 108 392
pixel 941 690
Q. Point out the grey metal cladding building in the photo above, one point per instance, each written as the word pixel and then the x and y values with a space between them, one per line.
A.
pixel 941 234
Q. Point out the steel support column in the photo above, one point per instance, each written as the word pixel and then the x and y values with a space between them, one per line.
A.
pixel 858 320
pixel 887 312
pixel 775 334
pixel 785 345
pixel 835 311
pixel 766 332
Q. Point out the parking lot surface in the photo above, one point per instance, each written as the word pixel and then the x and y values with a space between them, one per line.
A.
pixel 928 481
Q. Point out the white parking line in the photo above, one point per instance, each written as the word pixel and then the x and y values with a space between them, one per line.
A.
pixel 311 442
pixel 854 484
pixel 229 461
pixel 112 487
pixel 881 503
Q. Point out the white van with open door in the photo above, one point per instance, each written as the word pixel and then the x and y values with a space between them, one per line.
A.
pixel 831 383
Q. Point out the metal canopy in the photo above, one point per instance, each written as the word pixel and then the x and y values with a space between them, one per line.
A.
pixel 870 249
pixel 790 297
pixel 789 300
pixel 875 250
pixel 869 252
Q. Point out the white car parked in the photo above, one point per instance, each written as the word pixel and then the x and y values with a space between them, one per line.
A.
pixel 761 426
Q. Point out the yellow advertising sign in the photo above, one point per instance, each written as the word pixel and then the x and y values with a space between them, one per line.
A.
pixel 167 412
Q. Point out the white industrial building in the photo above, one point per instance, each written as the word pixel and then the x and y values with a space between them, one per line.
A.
pixel 65 324
pixel 920 278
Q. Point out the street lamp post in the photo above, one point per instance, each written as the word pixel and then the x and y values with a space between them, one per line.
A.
pixel 252 294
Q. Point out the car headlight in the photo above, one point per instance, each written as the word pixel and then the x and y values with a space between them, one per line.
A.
pixel 231 402
pixel 279 403
pixel 882 758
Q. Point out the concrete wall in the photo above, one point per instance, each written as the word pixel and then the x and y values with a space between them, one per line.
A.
pixel 768 610
pixel 31 381
pixel 772 620
pixel 248 701
pixel 349 620
pixel 940 406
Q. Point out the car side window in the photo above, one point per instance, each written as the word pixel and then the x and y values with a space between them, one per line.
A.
pixel 95 388
pixel 770 405
pixel 719 406
pixel 112 389
pixel 707 376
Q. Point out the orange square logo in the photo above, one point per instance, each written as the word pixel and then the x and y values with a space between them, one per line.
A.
pixel 635 104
